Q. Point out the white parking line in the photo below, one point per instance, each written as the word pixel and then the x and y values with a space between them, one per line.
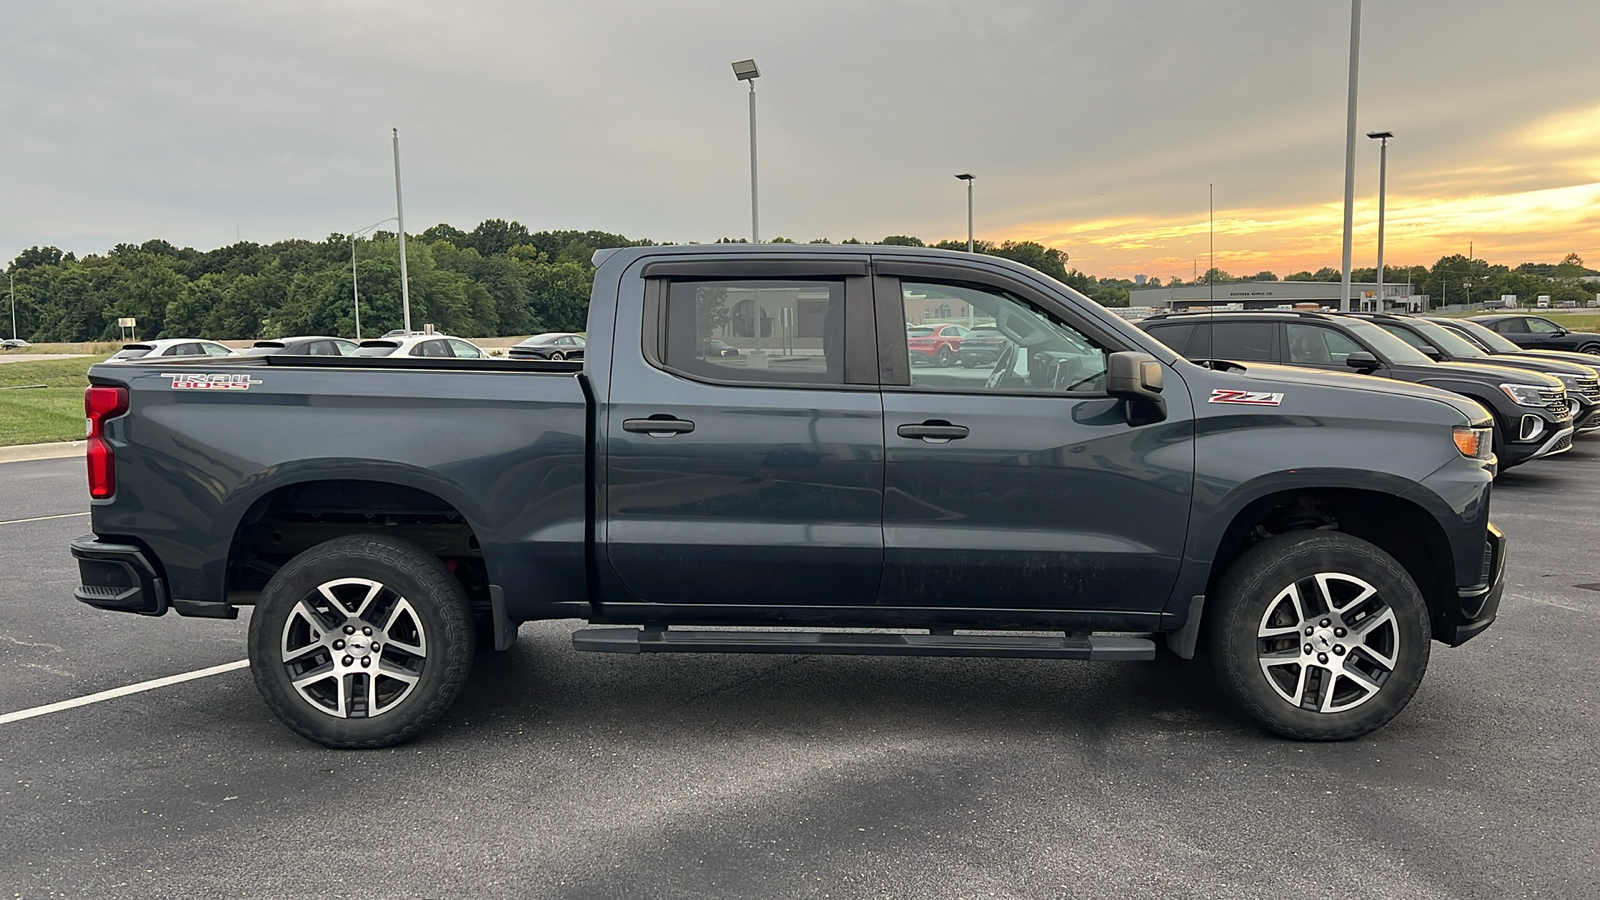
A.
pixel 114 693
pixel 41 518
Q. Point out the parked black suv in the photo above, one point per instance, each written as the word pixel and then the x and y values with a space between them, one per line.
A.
pixel 1442 344
pixel 1539 333
pixel 1531 412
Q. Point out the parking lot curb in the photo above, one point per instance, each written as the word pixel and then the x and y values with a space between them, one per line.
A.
pixel 25 452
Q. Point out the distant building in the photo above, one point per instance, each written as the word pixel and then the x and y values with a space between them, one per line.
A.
pixel 1275 294
pixel 1140 280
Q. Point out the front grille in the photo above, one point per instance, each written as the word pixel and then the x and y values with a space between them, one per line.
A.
pixel 1556 401
pixel 1564 444
pixel 1588 389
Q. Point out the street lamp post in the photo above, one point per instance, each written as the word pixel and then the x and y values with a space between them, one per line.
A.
pixel 400 226
pixel 745 70
pixel 1350 151
pixel 1382 137
pixel 967 177
pixel 12 277
pixel 355 288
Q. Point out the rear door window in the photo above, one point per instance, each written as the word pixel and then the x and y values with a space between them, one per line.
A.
pixel 1240 341
pixel 786 331
pixel 1175 335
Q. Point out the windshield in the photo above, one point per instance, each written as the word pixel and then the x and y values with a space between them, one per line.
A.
pixel 1486 337
pixel 1387 345
pixel 1449 341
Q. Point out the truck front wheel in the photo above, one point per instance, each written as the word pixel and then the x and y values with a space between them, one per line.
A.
pixel 361 642
pixel 1320 636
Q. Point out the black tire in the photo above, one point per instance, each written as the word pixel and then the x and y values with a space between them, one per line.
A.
pixel 1293 575
pixel 943 359
pixel 1591 349
pixel 558 356
pixel 383 589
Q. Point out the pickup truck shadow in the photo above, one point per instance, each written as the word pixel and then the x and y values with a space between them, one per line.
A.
pixel 543 684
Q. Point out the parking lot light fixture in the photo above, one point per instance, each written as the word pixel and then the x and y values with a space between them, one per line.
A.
pixel 11 276
pixel 746 70
pixel 1382 137
pixel 968 177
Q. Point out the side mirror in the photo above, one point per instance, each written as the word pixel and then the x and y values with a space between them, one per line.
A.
pixel 1362 361
pixel 1430 352
pixel 1137 378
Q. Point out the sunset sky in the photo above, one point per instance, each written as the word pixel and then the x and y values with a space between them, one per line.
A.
pixel 1092 127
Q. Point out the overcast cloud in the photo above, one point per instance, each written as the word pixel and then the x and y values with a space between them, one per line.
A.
pixel 1093 126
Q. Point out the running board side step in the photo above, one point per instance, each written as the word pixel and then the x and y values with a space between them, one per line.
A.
pixel 1097 648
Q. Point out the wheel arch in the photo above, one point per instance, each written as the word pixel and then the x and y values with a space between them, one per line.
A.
pixel 1399 526
pixel 293 516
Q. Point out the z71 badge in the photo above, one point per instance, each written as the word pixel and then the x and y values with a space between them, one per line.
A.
pixel 1248 398
pixel 187 382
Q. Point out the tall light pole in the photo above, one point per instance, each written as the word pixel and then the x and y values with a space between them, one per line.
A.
pixel 967 177
pixel 745 70
pixel 1382 137
pixel 355 288
pixel 1350 152
pixel 12 277
pixel 400 219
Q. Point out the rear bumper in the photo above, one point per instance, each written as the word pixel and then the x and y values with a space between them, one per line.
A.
pixel 117 577
pixel 1481 602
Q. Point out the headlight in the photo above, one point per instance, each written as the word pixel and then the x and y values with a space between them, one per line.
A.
pixel 1571 381
pixel 1474 443
pixel 1524 394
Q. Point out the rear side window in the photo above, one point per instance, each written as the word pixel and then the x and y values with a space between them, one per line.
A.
pixel 1221 339
pixel 1510 326
pixel 785 331
pixel 1175 336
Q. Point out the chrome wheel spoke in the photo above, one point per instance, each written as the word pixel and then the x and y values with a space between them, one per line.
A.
pixel 1325 587
pixel 372 592
pixel 403 615
pixel 1359 631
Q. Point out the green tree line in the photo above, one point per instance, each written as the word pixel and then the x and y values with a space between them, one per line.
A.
pixel 496 279
pixel 1453 279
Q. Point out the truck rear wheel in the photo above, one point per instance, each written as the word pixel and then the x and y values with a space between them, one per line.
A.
pixel 1320 636
pixel 361 642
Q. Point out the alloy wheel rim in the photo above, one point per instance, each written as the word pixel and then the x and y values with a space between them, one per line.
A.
pixel 353 648
pixel 1328 643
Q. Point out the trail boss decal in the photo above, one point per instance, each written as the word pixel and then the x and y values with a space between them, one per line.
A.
pixel 187 382
pixel 1247 398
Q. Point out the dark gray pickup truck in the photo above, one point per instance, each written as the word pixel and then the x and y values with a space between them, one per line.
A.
pixel 748 461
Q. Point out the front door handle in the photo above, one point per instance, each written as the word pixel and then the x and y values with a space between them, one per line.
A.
pixel 659 425
pixel 934 431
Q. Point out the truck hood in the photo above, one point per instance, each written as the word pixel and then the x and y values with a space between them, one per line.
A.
pixel 1267 376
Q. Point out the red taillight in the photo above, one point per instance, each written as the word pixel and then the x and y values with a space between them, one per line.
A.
pixel 99 404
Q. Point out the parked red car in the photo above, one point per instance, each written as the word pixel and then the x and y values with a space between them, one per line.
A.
pixel 936 344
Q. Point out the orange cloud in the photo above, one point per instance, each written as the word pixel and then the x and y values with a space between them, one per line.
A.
pixel 1509 228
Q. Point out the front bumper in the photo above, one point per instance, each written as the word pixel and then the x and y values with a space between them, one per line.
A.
pixel 117 577
pixel 1480 602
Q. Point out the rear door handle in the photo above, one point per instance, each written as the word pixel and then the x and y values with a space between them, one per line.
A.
pixel 934 431
pixel 658 425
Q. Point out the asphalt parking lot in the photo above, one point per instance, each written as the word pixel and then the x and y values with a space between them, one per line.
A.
pixel 586 775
